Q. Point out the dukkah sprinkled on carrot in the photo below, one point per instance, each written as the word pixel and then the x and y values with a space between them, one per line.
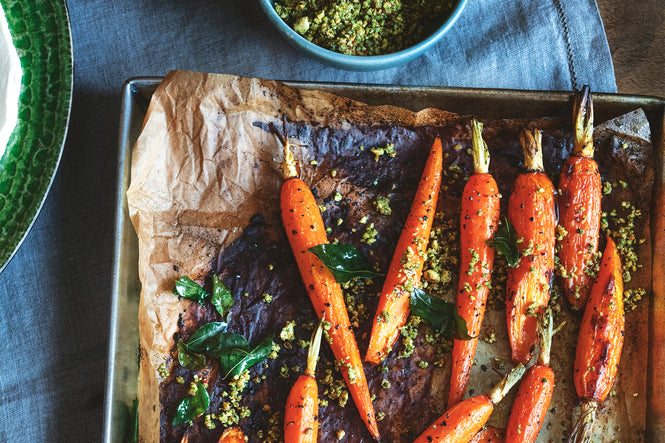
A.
pixel 579 208
pixel 305 229
pixel 531 211
pixel 407 263
pixel 478 221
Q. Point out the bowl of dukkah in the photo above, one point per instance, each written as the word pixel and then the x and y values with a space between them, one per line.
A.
pixel 367 35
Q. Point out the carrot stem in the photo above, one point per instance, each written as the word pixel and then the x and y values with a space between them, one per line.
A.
pixel 583 123
pixel 314 347
pixel 499 391
pixel 481 153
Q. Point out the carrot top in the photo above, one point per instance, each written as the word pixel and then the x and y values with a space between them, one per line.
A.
pixel 289 169
pixel 547 331
pixel 499 391
pixel 481 153
pixel 532 139
pixel 583 123
pixel 314 348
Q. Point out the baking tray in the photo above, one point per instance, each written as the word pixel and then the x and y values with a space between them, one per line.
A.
pixel 486 104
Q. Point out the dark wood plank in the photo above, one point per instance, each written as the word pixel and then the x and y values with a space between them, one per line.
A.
pixel 636 35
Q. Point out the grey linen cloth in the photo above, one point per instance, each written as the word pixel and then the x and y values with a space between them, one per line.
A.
pixel 56 292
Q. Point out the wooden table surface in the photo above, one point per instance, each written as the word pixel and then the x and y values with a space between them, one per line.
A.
pixel 636 34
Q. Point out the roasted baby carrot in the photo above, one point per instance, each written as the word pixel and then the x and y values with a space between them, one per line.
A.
pixel 301 422
pixel 232 435
pixel 579 207
pixel 478 221
pixel 304 228
pixel 535 392
pixel 599 342
pixel 407 262
pixel 532 213
pixel 461 422
pixel 489 434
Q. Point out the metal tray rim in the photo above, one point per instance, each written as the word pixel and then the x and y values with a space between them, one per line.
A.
pixel 115 407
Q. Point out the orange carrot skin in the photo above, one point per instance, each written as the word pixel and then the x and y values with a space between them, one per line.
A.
pixel 232 435
pixel 531 211
pixel 304 228
pixel 459 423
pixel 489 434
pixel 531 404
pixel 601 333
pixel 393 309
pixel 301 423
pixel 478 221
pixel 579 215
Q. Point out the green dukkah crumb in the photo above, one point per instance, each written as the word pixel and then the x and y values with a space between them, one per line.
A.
pixel 442 257
pixel 230 410
pixel 370 235
pixel 163 372
pixel 382 205
pixel 357 309
pixel 490 335
pixel 388 150
pixel 287 333
pixel 363 27
pixel 409 333
pixel 335 389
pixel 621 224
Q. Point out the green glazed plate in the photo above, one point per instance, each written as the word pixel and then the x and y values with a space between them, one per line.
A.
pixel 41 34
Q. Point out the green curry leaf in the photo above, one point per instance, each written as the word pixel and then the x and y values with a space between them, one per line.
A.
pixel 505 242
pixel 441 314
pixel 190 359
pixel 185 287
pixel 344 261
pixel 233 350
pixel 221 297
pixel 193 405
pixel 207 337
pixel 235 361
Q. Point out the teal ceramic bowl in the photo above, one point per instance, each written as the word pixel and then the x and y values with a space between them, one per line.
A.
pixel 357 62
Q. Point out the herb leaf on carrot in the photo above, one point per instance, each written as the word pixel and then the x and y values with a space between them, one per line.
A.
pixel 505 242
pixel 440 314
pixel 344 261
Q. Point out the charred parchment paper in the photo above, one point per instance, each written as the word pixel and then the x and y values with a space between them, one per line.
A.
pixel 204 197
